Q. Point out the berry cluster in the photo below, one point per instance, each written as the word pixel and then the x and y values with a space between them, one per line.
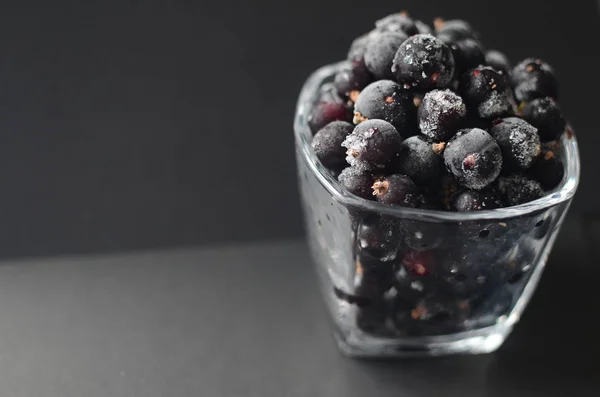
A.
pixel 408 282
pixel 411 109
pixel 434 121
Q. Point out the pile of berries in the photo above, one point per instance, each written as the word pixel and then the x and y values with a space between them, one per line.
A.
pixel 411 109
pixel 427 118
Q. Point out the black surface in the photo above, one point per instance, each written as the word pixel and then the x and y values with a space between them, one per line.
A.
pixel 248 321
pixel 150 123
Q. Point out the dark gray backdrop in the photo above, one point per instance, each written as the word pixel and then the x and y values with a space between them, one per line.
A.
pixel 128 125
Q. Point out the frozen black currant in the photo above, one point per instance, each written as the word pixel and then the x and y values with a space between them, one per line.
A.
pixel 474 121
pixel 422 27
pixel 498 61
pixel 400 314
pixel 532 78
pixel 428 198
pixel 373 277
pixel 467 54
pixel 545 115
pixel 477 200
pixel 419 263
pixel 372 145
pixel 396 190
pixel 441 114
pixel 350 80
pixel 329 107
pixel 423 63
pixel 461 280
pixel 519 189
pixel 386 100
pixel 547 169
pixel 474 158
pixel 518 140
pixel 379 239
pixel 327 143
pixel 371 319
pixel 357 50
pixel 487 93
pixel 421 236
pixel 399 22
pixel 358 182
pixel 438 315
pixel 356 53
pixel 419 160
pixel 360 301
pixel 454 30
pixel 380 53
pixel 411 287
pixel 448 189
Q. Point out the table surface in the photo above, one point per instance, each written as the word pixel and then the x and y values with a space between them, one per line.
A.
pixel 248 321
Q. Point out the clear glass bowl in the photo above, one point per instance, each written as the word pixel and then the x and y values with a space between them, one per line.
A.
pixel 438 282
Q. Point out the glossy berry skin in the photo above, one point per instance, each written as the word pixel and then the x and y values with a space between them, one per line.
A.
pixel 518 140
pixel 350 80
pixel 487 93
pixel 380 53
pixel 423 63
pixel 519 189
pixel 397 23
pixel 419 161
pixel 545 115
pixel 547 169
pixel 327 143
pixel 477 200
pixel 532 78
pixel 498 61
pixel 454 30
pixel 474 158
pixel 396 190
pixel 386 100
pixel 441 114
pixel 373 145
pixel 357 182
pixel 329 107
pixel 467 54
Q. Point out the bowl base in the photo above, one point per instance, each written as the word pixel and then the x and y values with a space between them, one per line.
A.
pixel 481 341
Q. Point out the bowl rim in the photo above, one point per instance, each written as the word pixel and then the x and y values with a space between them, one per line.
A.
pixel 303 137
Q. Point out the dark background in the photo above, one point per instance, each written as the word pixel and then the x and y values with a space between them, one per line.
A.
pixel 127 125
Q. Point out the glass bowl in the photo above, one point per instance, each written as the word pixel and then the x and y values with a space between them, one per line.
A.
pixel 436 282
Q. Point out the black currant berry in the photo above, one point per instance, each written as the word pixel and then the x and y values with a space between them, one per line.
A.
pixel 474 158
pixel 423 63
